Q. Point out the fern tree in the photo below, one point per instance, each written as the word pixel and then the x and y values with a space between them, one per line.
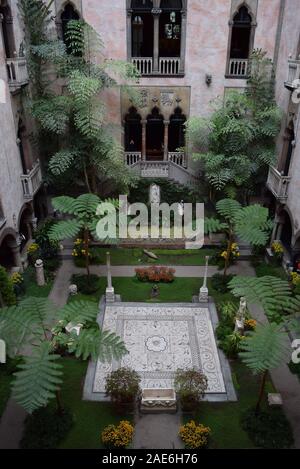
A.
pixel 237 143
pixel 35 323
pixel 250 224
pixel 264 349
pixel 84 218
pixel 272 294
pixel 84 149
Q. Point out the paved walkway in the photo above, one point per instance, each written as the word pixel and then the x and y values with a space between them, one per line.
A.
pixel 158 431
pixel 188 271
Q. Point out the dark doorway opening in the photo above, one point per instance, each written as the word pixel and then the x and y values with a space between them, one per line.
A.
pixel 133 131
pixel 155 135
pixel 241 34
pixel 176 130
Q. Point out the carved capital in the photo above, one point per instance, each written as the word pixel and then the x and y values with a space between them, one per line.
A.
pixel 156 11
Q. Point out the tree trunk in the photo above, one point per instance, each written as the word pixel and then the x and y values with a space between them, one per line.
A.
pixel 86 254
pixel 59 404
pixel 228 252
pixel 261 392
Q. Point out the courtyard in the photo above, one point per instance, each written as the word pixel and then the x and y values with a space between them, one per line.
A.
pixel 149 226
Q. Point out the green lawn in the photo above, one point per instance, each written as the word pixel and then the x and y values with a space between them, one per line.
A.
pixel 264 269
pixel 131 289
pixel 135 256
pixel 90 417
pixel 224 418
pixel 31 288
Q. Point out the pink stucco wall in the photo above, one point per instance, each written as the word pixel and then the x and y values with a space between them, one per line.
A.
pixel 206 45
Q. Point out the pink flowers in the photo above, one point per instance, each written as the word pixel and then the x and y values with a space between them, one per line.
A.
pixel 155 274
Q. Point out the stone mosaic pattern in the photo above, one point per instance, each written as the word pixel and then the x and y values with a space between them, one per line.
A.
pixel 159 341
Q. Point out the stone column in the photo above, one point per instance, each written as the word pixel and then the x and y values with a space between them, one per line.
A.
pixel 129 35
pixel 144 133
pixel 183 41
pixel 203 294
pixel 110 291
pixel 166 140
pixel 39 270
pixel 156 13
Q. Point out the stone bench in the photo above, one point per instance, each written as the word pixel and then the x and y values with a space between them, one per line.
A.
pixel 158 400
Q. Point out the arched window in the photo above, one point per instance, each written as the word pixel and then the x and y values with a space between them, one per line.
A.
pixel 241 32
pixel 155 135
pixel 142 29
pixel 170 28
pixel 67 15
pixel 156 36
pixel 133 131
pixel 176 130
pixel 7 31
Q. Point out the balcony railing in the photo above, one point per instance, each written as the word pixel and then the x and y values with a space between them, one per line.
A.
pixel 143 64
pixel 169 66
pixel 132 157
pixel 278 184
pixel 238 68
pixel 178 157
pixel 31 182
pixel 166 66
pixel 17 73
pixel 293 74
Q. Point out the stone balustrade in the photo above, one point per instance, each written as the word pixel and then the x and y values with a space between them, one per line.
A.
pixel 238 68
pixel 143 64
pixel 17 73
pixel 293 74
pixel 169 65
pixel 177 157
pixel 278 184
pixel 166 65
pixel 31 182
pixel 132 157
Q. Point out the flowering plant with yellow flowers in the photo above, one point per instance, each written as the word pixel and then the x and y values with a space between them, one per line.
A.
pixel 18 283
pixel 250 324
pixel 234 253
pixel 295 278
pixel 117 436
pixel 33 248
pixel 79 250
pixel 194 436
pixel 16 278
pixel 277 249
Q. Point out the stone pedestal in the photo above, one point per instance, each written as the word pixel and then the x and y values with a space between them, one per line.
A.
pixel 274 400
pixel 203 295
pixel 40 276
pixel 110 295
pixel 158 400
pixel 239 326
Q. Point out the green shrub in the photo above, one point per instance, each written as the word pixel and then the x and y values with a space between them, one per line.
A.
pixel 86 285
pixel 45 428
pixel 267 270
pixel 11 365
pixel 7 294
pixel 123 386
pixel 231 344
pixel 220 282
pixel 269 430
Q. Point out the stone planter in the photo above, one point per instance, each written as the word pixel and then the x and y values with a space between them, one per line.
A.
pixel 158 400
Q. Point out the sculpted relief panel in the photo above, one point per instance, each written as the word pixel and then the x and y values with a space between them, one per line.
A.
pixel 167 99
